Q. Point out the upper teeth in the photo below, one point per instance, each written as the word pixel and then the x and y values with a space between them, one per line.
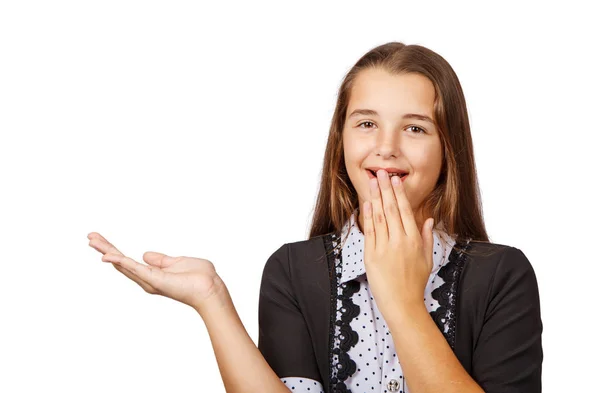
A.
pixel 390 174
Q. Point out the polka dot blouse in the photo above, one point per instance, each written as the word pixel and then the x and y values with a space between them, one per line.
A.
pixel 376 367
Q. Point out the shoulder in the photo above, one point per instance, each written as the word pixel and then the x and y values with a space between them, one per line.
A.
pixel 298 258
pixel 309 248
pixel 492 270
pixel 300 271
pixel 497 283
pixel 496 259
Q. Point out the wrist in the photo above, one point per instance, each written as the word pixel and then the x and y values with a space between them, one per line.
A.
pixel 405 314
pixel 218 300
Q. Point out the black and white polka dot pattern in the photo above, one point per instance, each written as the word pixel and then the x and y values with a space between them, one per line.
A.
pixel 298 384
pixel 377 366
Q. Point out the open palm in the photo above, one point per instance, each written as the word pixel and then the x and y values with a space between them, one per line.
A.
pixel 185 279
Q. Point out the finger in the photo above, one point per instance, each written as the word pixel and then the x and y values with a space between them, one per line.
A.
pixel 102 245
pixel 142 274
pixel 390 206
pixel 369 229
pixel 158 259
pixel 406 214
pixel 145 286
pixel 379 223
pixel 427 235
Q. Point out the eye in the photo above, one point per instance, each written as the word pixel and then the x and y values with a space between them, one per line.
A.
pixel 365 122
pixel 418 128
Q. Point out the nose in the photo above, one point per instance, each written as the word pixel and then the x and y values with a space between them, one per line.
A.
pixel 387 144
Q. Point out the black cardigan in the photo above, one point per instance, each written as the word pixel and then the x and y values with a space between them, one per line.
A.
pixel 498 327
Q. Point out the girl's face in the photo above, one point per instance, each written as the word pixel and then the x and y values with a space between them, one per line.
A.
pixel 381 131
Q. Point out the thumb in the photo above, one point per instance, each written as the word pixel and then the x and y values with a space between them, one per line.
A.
pixel 427 235
pixel 158 259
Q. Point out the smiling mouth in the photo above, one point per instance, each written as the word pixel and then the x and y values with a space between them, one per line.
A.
pixel 373 175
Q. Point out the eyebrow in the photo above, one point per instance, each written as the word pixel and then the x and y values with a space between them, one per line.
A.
pixel 371 112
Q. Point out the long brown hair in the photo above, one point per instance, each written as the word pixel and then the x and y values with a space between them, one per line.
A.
pixel 455 201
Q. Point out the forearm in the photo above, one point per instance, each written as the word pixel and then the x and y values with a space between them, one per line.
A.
pixel 242 366
pixel 428 362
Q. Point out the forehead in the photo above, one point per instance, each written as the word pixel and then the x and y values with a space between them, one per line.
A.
pixel 392 95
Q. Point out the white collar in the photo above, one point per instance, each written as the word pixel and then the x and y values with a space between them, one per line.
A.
pixel 352 250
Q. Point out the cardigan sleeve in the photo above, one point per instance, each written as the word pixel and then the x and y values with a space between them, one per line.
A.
pixel 508 353
pixel 283 337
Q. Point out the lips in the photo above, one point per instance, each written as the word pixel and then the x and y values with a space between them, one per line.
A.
pixel 372 175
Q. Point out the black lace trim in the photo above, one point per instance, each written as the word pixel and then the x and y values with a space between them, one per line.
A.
pixel 447 293
pixel 347 337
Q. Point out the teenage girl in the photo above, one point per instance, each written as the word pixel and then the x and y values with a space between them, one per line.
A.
pixel 398 288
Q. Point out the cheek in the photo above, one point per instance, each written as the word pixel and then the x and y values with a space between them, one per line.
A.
pixel 352 160
pixel 426 164
pixel 427 161
pixel 354 155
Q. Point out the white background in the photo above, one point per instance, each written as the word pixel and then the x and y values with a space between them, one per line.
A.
pixel 200 130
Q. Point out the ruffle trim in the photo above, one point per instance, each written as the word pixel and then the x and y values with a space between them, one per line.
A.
pixel 447 293
pixel 342 337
